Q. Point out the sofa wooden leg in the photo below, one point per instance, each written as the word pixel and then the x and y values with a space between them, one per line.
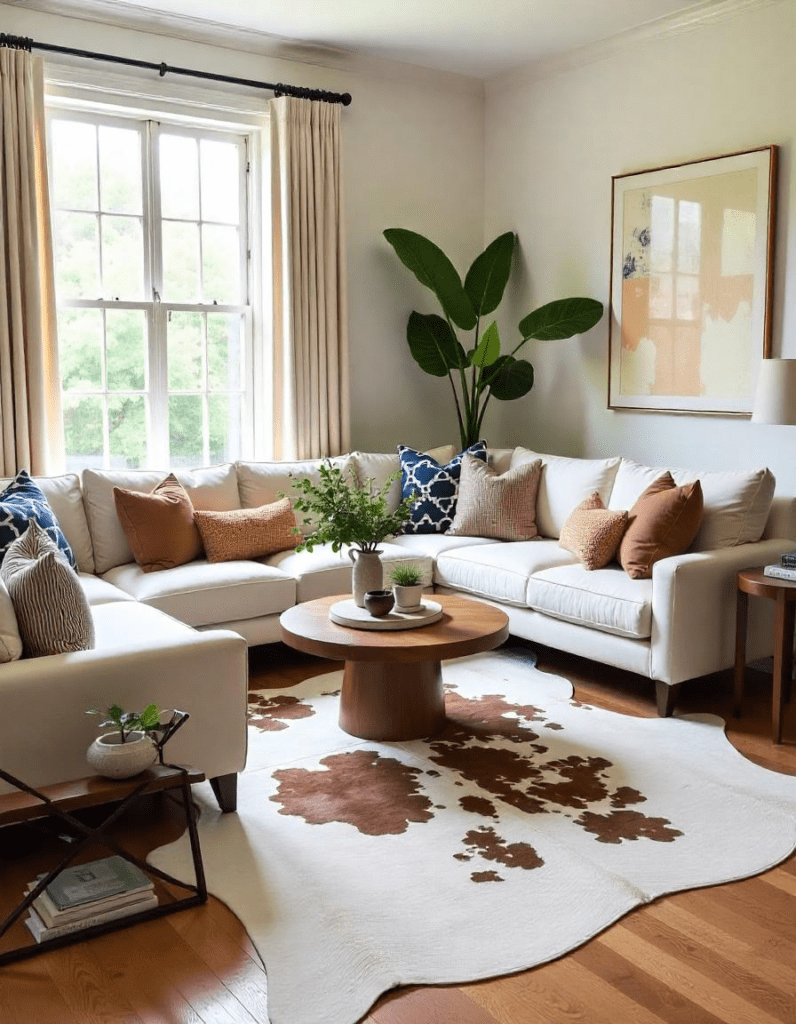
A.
pixel 666 698
pixel 225 788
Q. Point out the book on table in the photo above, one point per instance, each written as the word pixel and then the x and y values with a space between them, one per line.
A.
pixel 780 572
pixel 89 894
pixel 788 559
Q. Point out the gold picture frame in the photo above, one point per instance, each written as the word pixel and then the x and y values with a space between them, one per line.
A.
pixel 692 268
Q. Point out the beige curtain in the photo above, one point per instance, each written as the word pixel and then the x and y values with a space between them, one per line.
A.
pixel 310 316
pixel 30 393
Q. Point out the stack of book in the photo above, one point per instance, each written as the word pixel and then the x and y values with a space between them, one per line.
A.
pixel 89 894
pixel 784 569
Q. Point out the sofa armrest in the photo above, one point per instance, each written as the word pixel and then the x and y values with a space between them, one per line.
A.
pixel 693 610
pixel 44 730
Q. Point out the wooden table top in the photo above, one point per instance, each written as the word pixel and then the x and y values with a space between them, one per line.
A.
pixel 753 581
pixel 466 627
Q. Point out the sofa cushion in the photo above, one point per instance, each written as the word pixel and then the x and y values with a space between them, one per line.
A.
pixel 10 640
pixel 434 486
pixel 498 571
pixel 433 544
pixel 22 501
pixel 99 591
pixel 159 525
pixel 213 488
pixel 65 497
pixel 248 532
pixel 323 572
pixel 201 594
pixel 379 466
pixel 605 599
pixel 260 483
pixel 736 503
pixel 565 483
pixel 592 532
pixel 498 505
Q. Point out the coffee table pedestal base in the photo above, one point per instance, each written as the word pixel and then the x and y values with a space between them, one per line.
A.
pixel 388 701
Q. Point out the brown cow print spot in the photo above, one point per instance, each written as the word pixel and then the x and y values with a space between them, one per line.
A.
pixel 330 693
pixel 486 843
pixel 553 725
pixel 478 805
pixel 486 876
pixel 377 795
pixel 619 825
pixel 271 713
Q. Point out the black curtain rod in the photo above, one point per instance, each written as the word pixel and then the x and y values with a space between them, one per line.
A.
pixel 279 88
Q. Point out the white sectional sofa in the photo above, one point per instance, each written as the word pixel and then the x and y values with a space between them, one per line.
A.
pixel 178 637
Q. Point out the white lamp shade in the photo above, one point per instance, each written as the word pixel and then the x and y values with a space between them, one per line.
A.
pixel 775 399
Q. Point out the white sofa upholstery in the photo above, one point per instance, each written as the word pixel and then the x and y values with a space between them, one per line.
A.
pixel 179 637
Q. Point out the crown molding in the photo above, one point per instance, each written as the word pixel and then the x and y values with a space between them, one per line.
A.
pixel 702 16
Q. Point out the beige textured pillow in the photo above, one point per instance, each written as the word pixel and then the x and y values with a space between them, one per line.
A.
pixel 159 525
pixel 501 506
pixel 248 532
pixel 592 532
pixel 663 522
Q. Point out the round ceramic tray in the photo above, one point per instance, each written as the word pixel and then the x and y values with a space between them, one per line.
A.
pixel 346 613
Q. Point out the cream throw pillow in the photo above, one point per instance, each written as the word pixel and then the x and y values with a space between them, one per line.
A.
pixel 501 506
pixel 592 532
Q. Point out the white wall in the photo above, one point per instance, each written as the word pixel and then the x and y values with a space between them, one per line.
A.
pixel 413 158
pixel 554 142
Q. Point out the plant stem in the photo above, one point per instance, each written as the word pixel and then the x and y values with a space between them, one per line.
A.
pixel 456 400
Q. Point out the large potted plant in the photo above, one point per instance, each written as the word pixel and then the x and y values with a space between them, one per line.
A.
pixel 482 371
pixel 340 514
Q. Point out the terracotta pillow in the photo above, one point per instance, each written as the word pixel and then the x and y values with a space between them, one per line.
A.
pixel 159 525
pixel 248 532
pixel 663 522
pixel 592 532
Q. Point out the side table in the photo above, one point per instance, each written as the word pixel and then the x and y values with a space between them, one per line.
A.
pixel 783 593
pixel 60 800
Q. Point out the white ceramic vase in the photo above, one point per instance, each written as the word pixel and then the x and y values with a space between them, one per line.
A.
pixel 408 599
pixel 368 574
pixel 112 759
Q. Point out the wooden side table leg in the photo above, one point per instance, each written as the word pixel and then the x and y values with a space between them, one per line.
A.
pixel 783 659
pixel 741 616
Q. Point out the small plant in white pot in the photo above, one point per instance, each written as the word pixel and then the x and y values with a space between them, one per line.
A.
pixel 407 587
pixel 132 745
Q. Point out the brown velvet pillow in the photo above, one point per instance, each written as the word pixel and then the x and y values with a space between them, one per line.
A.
pixel 663 522
pixel 592 532
pixel 248 532
pixel 159 525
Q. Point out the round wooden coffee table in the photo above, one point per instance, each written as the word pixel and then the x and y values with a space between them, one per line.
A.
pixel 392 681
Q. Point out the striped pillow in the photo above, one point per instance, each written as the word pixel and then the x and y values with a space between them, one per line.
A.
pixel 52 612
pixel 502 506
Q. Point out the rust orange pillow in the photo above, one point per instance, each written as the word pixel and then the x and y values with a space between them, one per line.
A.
pixel 663 522
pixel 248 532
pixel 159 525
pixel 592 532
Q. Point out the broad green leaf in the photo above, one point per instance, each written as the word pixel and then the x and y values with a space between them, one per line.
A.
pixel 433 344
pixel 561 319
pixel 488 348
pixel 433 269
pixel 514 378
pixel 486 279
pixel 150 716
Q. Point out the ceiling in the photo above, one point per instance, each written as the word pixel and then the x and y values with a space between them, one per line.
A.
pixel 480 38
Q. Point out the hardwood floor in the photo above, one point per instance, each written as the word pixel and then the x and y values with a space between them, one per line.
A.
pixel 724 954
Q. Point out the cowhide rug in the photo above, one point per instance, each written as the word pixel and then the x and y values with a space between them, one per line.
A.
pixel 529 825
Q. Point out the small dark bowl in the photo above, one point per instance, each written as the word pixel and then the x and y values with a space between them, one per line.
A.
pixel 379 602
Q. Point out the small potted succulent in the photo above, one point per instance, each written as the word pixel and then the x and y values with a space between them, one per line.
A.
pixel 130 747
pixel 407 587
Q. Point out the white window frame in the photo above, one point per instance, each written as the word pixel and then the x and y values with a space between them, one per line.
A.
pixel 125 102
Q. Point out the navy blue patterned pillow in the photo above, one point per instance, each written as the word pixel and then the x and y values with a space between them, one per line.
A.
pixel 21 501
pixel 435 487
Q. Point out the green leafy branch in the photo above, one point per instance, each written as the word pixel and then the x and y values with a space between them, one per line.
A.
pixel 146 721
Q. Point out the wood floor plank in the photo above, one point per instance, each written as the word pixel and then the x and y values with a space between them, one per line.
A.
pixel 781 879
pixel 28 993
pixel 442 1005
pixel 87 989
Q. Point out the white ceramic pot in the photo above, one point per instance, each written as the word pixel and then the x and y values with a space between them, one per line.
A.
pixel 112 759
pixel 408 599
pixel 368 574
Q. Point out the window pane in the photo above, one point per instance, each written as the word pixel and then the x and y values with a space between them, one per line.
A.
pixel 125 349
pixel 180 262
pixel 122 258
pixel 74 171
pixel 77 256
pixel 186 430
pixel 120 170
pixel 220 181
pixel 179 177
pixel 80 349
pixel 224 352
pixel 220 264
pixel 127 431
pixel 185 351
pixel 224 418
pixel 83 431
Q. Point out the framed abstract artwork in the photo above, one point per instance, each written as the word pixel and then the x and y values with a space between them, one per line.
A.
pixel 692 252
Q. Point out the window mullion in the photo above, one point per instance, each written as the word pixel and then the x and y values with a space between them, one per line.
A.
pixel 158 363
